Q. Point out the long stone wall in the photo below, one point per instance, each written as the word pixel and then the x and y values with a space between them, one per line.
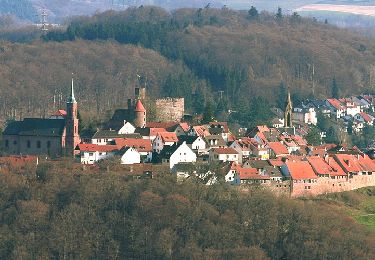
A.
pixel 328 185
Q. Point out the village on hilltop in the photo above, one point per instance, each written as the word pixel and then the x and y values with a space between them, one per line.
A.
pixel 276 157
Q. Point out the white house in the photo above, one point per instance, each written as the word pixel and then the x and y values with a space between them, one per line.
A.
pixel 142 146
pixel 127 128
pixel 305 115
pixel 196 143
pixel 176 154
pixel 183 154
pixel 352 108
pixel 130 156
pixel 223 155
pixel 91 153
pixel 337 109
pixel 242 146
pixel 164 139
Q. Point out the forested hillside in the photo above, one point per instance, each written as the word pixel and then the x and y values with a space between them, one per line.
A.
pixel 22 9
pixel 195 53
pixel 105 75
pixel 51 213
pixel 243 54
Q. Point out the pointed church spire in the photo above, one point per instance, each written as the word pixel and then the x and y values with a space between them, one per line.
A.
pixel 288 117
pixel 71 98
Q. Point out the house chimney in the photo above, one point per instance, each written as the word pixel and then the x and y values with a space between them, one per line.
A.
pixel 347 162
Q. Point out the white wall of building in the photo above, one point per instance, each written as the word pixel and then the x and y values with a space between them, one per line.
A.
pixel 131 156
pixel 182 154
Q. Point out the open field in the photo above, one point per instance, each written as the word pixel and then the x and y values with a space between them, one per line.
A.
pixel 358 205
pixel 353 9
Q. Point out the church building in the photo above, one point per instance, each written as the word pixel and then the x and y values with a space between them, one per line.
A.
pixel 55 136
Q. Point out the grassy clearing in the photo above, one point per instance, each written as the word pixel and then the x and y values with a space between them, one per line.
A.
pixel 359 205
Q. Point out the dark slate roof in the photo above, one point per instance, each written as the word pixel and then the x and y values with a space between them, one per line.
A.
pixel 273 171
pixel 118 118
pixel 36 127
pixel 216 131
pixel 114 134
pixel 257 164
pixel 167 151
pixel 187 139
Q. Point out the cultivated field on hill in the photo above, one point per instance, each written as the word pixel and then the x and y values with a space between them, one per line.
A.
pixel 354 9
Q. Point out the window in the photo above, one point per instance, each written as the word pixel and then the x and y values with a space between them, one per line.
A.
pixel 7 143
pixel 38 144
pixel 14 142
pixel 48 144
pixel 28 144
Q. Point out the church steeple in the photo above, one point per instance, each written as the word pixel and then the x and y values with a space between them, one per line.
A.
pixel 72 138
pixel 71 98
pixel 288 112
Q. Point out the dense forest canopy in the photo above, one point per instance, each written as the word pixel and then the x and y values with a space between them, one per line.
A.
pixel 252 57
pixel 105 75
pixel 50 213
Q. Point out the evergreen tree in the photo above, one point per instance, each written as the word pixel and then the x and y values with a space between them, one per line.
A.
pixel 279 14
pixel 253 13
pixel 335 89
pixel 313 137
pixel 208 115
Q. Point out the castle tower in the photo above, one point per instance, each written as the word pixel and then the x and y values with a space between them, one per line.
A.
pixel 288 112
pixel 139 114
pixel 72 138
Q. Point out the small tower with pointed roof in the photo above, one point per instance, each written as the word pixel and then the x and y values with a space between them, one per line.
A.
pixel 72 138
pixel 139 114
pixel 288 112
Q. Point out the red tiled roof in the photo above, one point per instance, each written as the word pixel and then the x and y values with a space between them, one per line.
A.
pixel 168 137
pixel 185 126
pixel 60 112
pixel 299 140
pixel 141 145
pixel 139 107
pixel 263 128
pixel 349 162
pixel 225 151
pixel 366 117
pixel 278 148
pixel 300 170
pixel 321 166
pixel 276 162
pixel 241 170
pixel 367 164
pixel 155 131
pixel 335 103
pixel 96 148
pixel 250 174
pixel 231 137
pixel 201 130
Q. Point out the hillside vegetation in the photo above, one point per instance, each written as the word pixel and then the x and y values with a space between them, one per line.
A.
pixel 242 54
pixel 251 57
pixel 52 213
pixel 105 75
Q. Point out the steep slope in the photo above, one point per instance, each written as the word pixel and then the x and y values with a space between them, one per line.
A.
pixel 241 55
pixel 105 76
